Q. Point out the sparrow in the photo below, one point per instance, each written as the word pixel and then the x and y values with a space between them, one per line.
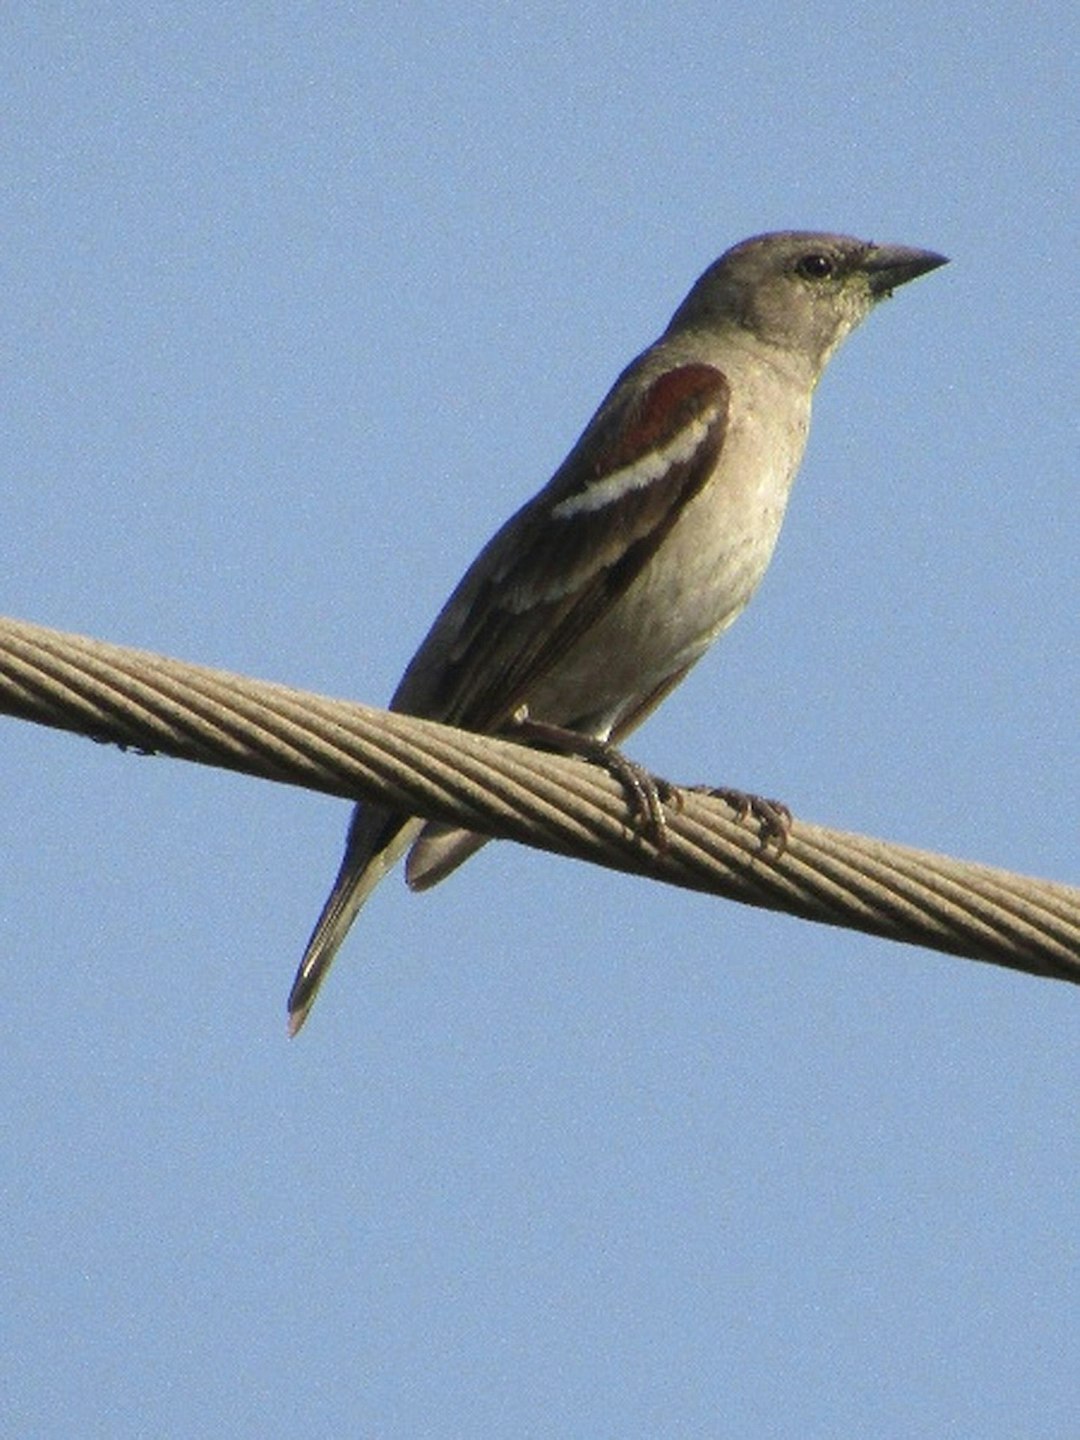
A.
pixel 594 600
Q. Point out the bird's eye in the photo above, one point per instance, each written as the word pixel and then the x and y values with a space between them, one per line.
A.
pixel 815 267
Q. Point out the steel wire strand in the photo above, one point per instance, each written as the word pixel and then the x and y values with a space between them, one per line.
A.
pixel 152 704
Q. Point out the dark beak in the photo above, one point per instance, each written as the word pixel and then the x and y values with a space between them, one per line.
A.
pixel 888 266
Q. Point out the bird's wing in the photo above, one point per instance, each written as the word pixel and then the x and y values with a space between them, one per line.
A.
pixel 563 560
pixel 548 576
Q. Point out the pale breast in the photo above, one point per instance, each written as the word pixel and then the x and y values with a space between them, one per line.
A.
pixel 699 581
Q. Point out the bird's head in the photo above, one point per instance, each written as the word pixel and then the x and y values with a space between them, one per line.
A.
pixel 800 291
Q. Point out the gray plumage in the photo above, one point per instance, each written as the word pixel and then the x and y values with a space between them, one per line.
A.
pixel 595 599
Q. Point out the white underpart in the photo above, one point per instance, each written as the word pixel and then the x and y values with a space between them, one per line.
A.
pixel 652 466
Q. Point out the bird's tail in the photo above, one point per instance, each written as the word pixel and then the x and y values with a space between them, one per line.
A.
pixel 377 840
pixel 438 852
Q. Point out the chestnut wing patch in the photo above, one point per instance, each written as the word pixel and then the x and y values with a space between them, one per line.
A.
pixel 565 559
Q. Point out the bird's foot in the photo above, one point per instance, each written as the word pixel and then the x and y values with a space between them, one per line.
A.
pixel 646 793
pixel 773 816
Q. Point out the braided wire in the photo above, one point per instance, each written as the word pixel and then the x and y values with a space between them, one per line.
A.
pixel 156 705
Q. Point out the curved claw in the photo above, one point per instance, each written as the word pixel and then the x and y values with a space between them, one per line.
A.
pixel 646 795
pixel 773 816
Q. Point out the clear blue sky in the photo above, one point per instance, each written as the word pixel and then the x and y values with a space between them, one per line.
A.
pixel 299 303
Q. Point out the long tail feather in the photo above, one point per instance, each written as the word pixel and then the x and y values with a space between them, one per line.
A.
pixel 377 840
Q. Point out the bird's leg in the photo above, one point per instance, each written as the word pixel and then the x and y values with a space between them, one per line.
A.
pixel 773 816
pixel 646 792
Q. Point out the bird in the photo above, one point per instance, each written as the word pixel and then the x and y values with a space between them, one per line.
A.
pixel 596 598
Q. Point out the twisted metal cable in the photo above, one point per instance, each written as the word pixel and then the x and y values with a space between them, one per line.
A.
pixel 152 704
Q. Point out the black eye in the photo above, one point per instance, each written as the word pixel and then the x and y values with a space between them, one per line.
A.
pixel 815 267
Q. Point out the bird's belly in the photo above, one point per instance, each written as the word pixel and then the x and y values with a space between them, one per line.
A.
pixel 700 580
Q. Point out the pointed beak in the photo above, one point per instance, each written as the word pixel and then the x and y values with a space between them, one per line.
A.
pixel 888 266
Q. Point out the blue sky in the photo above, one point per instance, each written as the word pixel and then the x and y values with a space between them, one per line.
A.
pixel 300 302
